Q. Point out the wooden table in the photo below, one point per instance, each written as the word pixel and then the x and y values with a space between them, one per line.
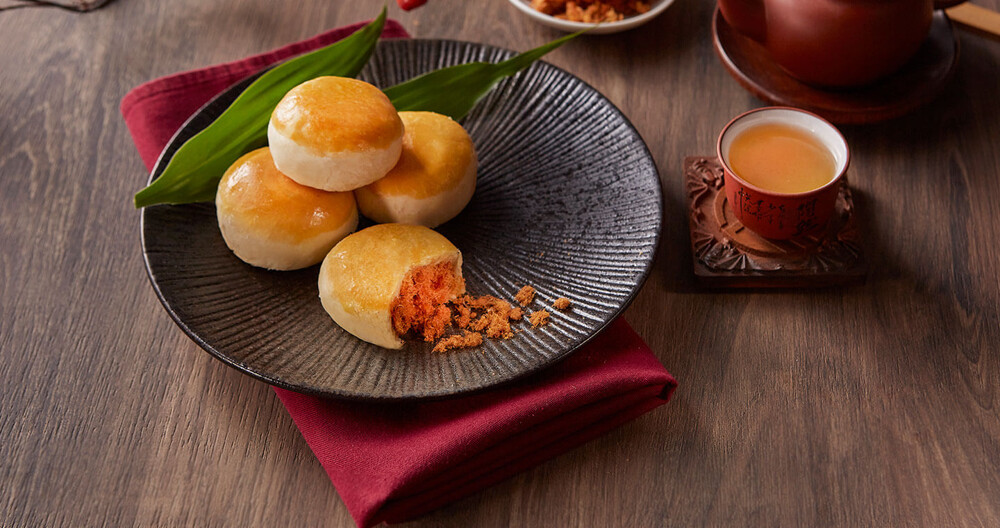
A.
pixel 871 405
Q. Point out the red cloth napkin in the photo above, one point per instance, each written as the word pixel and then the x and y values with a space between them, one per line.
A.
pixel 394 461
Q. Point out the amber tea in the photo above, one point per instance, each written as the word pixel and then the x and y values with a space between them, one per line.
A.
pixel 781 158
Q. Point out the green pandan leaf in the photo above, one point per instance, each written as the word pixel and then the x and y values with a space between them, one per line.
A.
pixel 194 171
pixel 453 91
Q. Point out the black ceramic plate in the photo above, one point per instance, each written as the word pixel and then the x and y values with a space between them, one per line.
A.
pixel 568 201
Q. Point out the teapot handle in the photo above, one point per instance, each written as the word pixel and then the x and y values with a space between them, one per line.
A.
pixel 945 4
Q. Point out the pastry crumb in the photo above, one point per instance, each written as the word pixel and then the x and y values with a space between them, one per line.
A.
pixel 495 318
pixel 466 340
pixel 525 296
pixel 489 316
pixel 464 315
pixel 539 318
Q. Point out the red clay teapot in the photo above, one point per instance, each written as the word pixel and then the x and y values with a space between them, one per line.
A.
pixel 835 43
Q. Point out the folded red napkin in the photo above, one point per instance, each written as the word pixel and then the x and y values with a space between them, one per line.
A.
pixel 394 461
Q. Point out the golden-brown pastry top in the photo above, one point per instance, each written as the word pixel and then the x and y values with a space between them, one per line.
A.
pixel 366 268
pixel 336 114
pixel 437 155
pixel 267 201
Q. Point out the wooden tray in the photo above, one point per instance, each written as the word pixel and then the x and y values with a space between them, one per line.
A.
pixel 916 84
pixel 727 254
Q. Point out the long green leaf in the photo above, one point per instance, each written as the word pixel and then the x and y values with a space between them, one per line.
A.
pixel 453 91
pixel 194 171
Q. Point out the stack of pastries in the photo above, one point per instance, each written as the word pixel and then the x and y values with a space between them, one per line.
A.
pixel 337 145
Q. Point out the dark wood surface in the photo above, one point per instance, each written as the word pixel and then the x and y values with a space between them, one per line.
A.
pixel 870 405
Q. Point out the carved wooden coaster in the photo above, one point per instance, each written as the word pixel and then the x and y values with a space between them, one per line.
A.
pixel 727 254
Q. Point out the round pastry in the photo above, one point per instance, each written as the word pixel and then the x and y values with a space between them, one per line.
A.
pixel 335 134
pixel 272 222
pixel 434 178
pixel 391 280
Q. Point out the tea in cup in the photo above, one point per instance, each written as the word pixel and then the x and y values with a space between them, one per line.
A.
pixel 782 169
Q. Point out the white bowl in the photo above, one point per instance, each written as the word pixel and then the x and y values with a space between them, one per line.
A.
pixel 659 6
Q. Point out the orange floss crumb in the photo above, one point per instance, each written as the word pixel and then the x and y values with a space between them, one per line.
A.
pixel 420 306
pixel 525 296
pixel 539 318
pixel 497 317
pixel 464 316
pixel 480 324
pixel 453 342
pixel 487 316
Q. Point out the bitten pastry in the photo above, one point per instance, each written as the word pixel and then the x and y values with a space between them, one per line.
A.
pixel 392 280
pixel 434 178
pixel 272 222
pixel 335 134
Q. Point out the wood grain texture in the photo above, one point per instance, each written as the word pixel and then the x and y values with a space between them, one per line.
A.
pixel 977 18
pixel 873 405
